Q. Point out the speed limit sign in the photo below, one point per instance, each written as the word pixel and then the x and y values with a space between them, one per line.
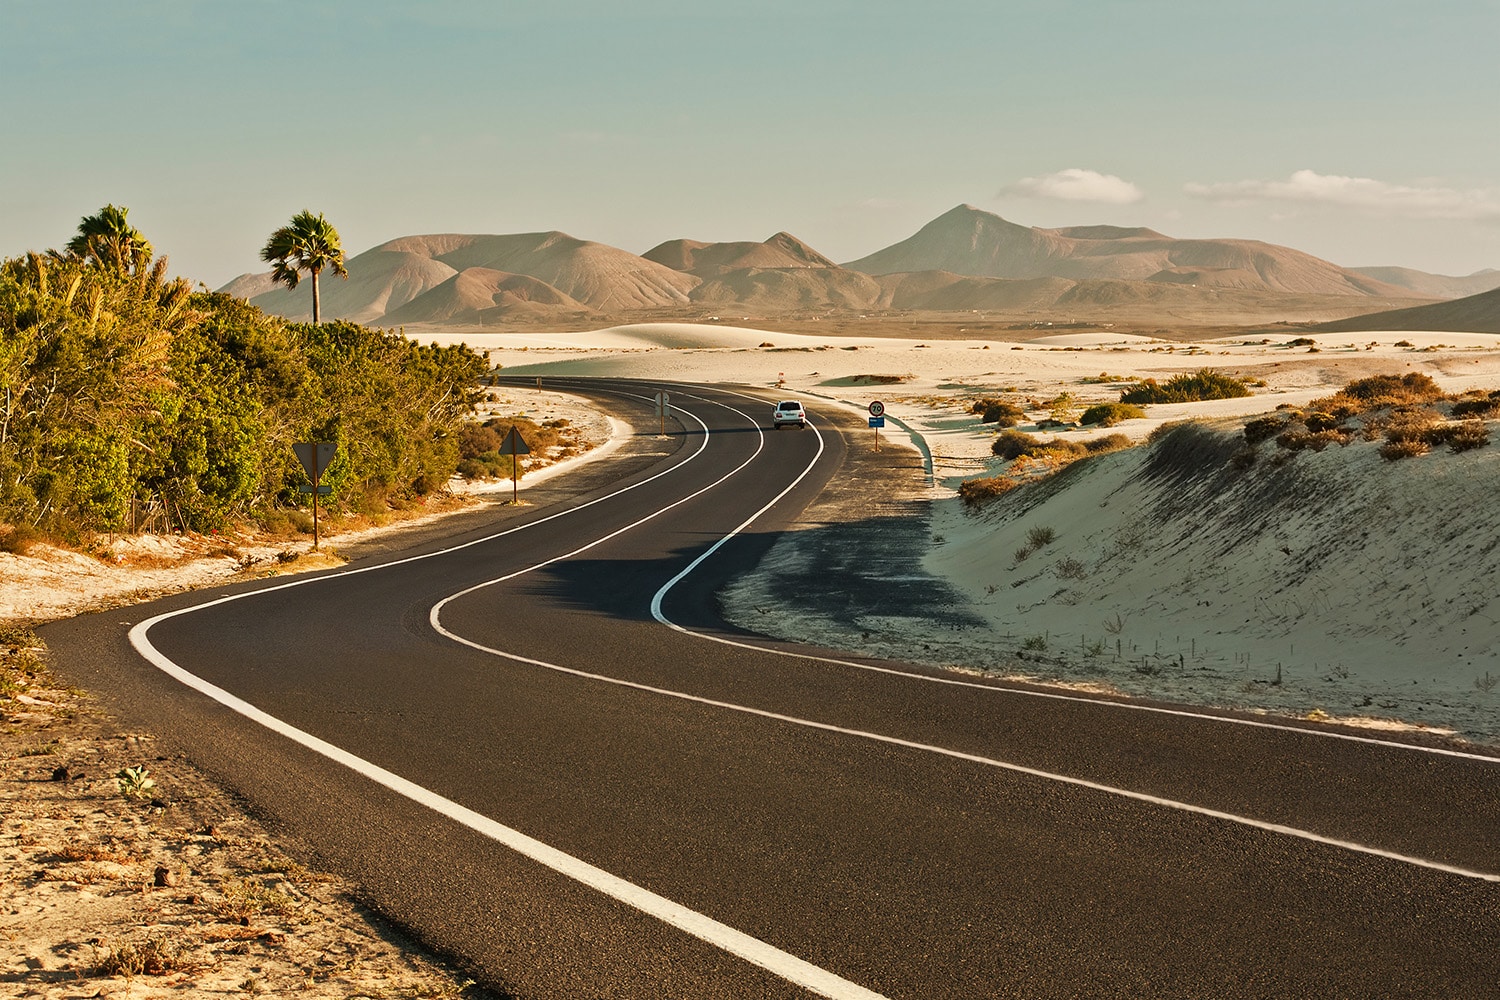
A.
pixel 877 409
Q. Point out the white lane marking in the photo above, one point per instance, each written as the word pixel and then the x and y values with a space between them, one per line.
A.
pixel 1096 786
pixel 753 950
pixel 656 603
pixel 789 967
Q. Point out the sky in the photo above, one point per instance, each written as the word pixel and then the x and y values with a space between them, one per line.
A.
pixel 1364 133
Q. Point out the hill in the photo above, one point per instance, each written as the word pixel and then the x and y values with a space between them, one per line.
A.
pixel 971 242
pixel 481 296
pixel 711 259
pixel 1472 314
pixel 1434 286
pixel 387 277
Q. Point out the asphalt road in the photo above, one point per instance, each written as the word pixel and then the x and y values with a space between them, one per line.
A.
pixel 534 742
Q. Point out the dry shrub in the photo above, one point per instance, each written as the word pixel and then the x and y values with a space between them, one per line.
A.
pixel 997 411
pixel 975 493
pixel 1106 444
pixel 1405 448
pixel 1378 391
pixel 155 956
pixel 1013 444
pixel 1478 405
pixel 1295 440
pixel 1263 429
pixel 1319 421
pixel 1469 434
pixel 19 539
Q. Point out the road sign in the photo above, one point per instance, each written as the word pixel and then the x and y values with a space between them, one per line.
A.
pixel 877 409
pixel 315 458
pixel 662 411
pixel 877 422
pixel 514 444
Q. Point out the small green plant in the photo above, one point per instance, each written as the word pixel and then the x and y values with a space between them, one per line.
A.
pixel 1115 624
pixel 1022 553
pixel 1110 414
pixel 1486 683
pixel 134 782
pixel 997 411
pixel 1037 643
pixel 1189 387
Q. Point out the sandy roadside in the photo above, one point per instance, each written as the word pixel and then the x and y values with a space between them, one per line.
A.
pixel 112 888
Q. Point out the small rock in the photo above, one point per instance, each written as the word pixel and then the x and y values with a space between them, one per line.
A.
pixel 60 774
pixel 164 877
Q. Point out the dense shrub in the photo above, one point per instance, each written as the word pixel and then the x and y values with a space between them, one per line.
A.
pixel 1379 391
pixel 1107 443
pixel 1188 387
pixel 1013 444
pixel 998 411
pixel 135 403
pixel 1110 414
pixel 1263 429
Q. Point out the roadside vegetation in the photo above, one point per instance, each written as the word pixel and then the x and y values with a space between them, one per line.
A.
pixel 1409 413
pixel 131 402
pixel 1189 387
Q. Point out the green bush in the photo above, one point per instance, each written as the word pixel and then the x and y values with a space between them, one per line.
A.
pixel 1110 414
pixel 1188 387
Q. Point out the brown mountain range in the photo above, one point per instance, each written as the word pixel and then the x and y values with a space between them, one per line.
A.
pixel 964 261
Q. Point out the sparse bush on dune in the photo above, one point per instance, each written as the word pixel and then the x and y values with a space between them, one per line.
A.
pixel 1363 395
pixel 1013 444
pixel 997 411
pixel 1297 440
pixel 1263 429
pixel 1106 444
pixel 975 493
pixel 1189 387
pixel 1110 414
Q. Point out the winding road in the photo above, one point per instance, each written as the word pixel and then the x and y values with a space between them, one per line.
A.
pixel 534 742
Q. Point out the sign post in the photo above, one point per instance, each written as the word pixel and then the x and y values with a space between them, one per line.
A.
pixel 315 457
pixel 515 446
pixel 662 399
pixel 877 420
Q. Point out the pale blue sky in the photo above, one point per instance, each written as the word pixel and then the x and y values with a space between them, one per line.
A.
pixel 1362 132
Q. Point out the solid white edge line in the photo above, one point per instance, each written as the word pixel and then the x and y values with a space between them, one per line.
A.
pixel 1125 793
pixel 705 928
pixel 789 967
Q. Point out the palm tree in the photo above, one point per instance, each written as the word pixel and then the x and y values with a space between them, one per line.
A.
pixel 309 243
pixel 109 239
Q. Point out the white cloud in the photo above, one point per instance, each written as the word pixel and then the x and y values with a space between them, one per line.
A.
pixel 1074 184
pixel 1427 201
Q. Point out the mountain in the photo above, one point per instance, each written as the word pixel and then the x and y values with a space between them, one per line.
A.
pixel 385 278
pixel 1433 286
pixel 481 296
pixel 710 259
pixel 1473 314
pixel 968 241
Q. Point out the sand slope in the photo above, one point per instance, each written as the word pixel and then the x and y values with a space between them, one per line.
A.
pixel 484 296
pixel 709 259
pixel 1474 314
pixel 1434 286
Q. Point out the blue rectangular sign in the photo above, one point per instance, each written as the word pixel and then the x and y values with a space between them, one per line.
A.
pixel 877 421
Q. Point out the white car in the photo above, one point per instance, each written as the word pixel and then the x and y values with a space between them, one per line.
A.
pixel 788 412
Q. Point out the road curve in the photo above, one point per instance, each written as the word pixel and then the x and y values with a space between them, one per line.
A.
pixel 535 743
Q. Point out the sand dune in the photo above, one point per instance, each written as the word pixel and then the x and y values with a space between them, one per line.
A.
pixel 1474 314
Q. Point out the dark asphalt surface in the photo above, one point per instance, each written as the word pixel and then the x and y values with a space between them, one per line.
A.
pixel 912 873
